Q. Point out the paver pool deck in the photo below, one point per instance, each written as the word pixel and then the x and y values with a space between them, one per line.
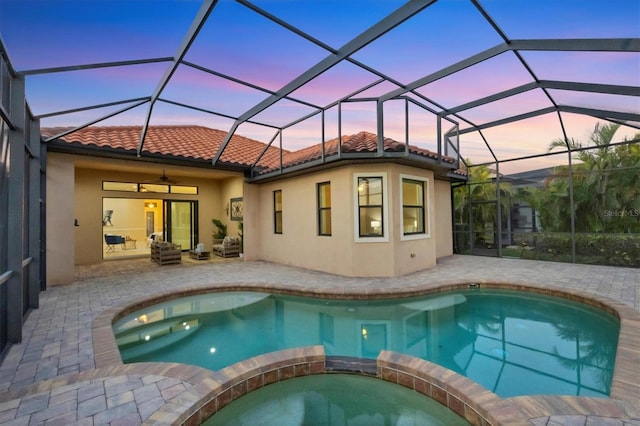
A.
pixel 66 370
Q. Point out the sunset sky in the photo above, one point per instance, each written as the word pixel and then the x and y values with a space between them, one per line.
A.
pixel 239 42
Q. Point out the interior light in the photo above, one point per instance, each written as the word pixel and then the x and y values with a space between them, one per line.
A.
pixel 144 318
pixel 212 350
pixel 147 337
pixel 375 224
pixel 364 333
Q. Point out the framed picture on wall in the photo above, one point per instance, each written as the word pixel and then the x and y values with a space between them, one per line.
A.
pixel 237 208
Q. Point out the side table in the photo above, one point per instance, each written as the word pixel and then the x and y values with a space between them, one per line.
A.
pixel 199 255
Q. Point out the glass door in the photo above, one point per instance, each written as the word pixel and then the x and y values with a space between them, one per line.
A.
pixel 181 223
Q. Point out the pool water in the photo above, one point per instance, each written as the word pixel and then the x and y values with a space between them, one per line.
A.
pixel 334 399
pixel 512 343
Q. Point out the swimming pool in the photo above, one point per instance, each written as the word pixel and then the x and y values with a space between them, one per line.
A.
pixel 512 343
pixel 334 399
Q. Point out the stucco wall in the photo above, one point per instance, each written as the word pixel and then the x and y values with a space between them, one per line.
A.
pixel 299 244
pixel 443 226
pixel 61 232
pixel 341 253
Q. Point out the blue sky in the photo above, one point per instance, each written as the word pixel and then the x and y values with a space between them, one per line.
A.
pixel 239 42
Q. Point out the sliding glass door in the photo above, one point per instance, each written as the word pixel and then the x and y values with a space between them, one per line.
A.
pixel 181 223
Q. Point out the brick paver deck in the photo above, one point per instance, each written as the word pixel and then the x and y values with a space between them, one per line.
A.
pixel 55 376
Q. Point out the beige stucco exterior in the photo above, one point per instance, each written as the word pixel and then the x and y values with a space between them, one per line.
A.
pixel 61 232
pixel 343 253
pixel 74 192
pixel 442 219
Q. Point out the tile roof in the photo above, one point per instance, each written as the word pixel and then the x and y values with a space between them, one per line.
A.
pixel 202 143
pixel 363 142
pixel 194 142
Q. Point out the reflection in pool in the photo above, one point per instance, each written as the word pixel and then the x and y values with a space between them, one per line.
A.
pixel 512 343
pixel 334 399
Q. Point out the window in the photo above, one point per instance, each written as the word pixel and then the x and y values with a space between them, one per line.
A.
pixel 149 187
pixel 153 187
pixel 371 221
pixel 324 208
pixel 277 211
pixel 414 196
pixel 181 189
pixel 120 186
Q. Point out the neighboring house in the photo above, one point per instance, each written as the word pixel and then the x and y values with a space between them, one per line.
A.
pixel 347 209
pixel 522 216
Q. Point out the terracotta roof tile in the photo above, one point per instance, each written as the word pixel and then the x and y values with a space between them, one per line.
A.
pixel 178 141
pixel 202 143
pixel 359 143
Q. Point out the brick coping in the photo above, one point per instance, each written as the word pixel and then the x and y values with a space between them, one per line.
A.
pixel 467 398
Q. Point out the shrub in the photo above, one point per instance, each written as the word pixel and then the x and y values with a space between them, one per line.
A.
pixel 599 249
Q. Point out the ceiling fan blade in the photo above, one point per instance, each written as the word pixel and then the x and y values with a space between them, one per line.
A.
pixel 163 179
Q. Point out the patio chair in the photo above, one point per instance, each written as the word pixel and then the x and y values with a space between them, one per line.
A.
pixel 230 247
pixel 112 241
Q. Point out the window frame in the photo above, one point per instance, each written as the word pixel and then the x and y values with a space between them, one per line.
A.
pixel 277 213
pixel 426 208
pixel 385 208
pixel 321 209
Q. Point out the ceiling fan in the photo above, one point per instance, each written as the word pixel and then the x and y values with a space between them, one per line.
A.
pixel 163 179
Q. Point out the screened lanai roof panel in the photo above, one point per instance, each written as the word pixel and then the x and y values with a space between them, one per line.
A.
pixel 50 93
pixel 621 68
pixel 532 171
pixel 283 112
pixel 380 89
pixel 571 19
pixel 239 42
pixel 249 44
pixel 129 113
pixel 190 86
pixel 440 35
pixel 303 135
pixel 524 138
pixel 580 127
pixel 338 82
pixel 521 103
pixel 331 21
pixel 474 149
pixel 603 101
pixel 494 75
pixel 420 129
pixel 72 32
pixel 170 114
pixel 356 117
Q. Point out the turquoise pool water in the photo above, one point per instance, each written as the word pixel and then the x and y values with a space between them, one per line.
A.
pixel 512 343
pixel 334 399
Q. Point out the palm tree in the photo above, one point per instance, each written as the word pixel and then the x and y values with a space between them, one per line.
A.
pixel 606 179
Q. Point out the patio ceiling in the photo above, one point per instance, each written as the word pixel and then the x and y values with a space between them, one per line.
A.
pixel 500 78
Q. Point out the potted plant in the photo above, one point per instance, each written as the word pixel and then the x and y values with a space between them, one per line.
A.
pixel 220 232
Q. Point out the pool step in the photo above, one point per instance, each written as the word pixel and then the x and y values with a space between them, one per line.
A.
pixel 349 364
